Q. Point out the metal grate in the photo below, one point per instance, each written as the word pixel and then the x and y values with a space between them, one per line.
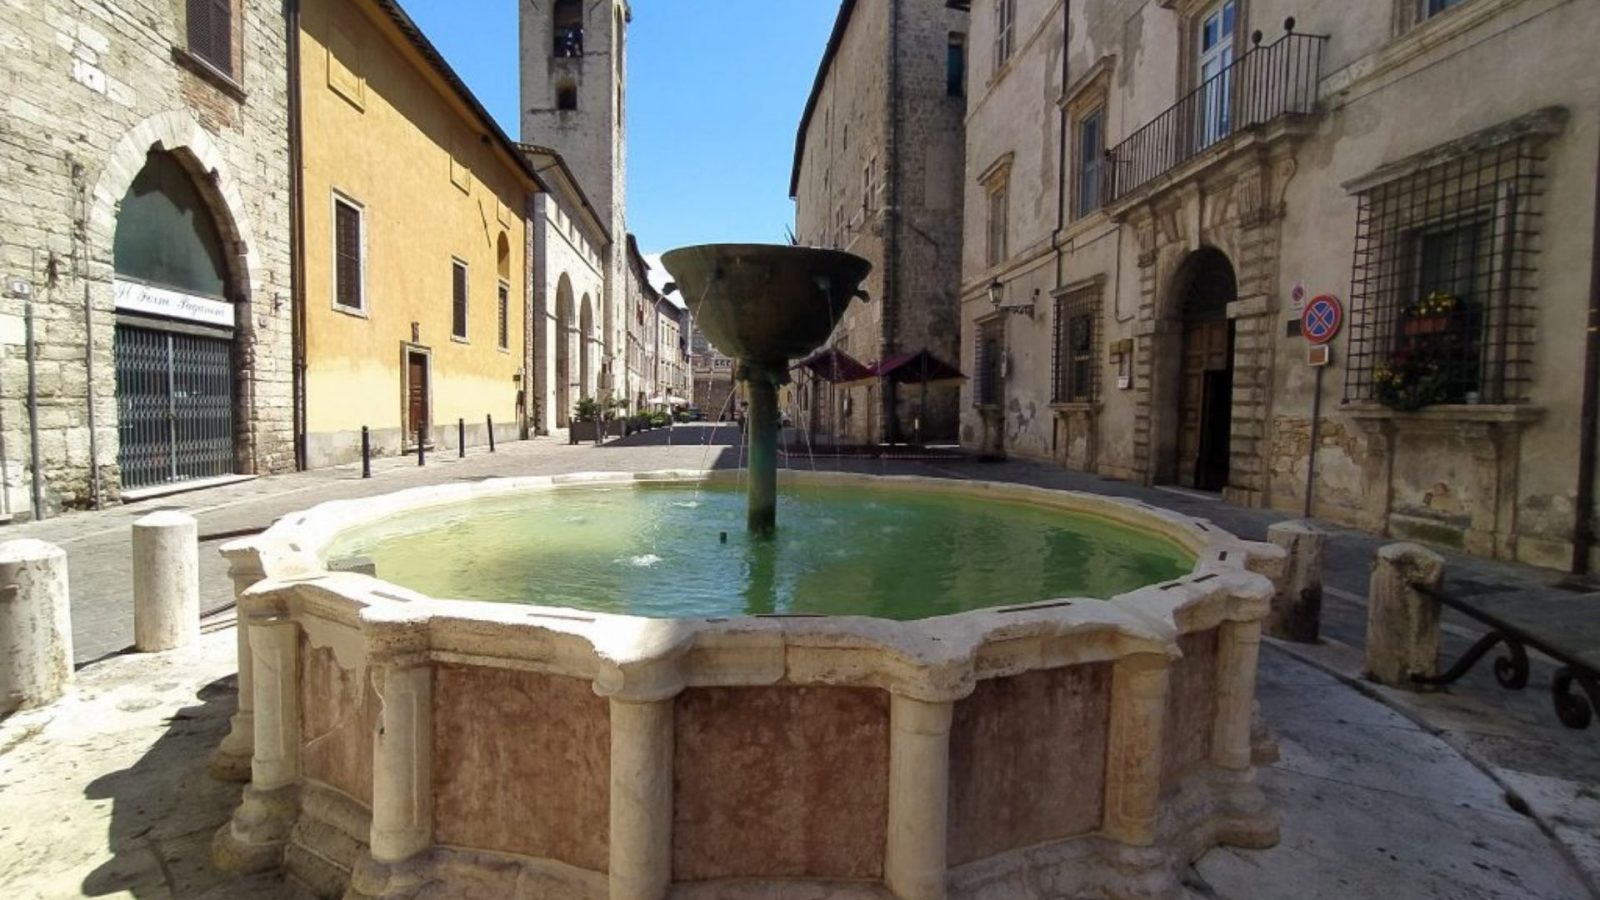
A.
pixel 1442 287
pixel 174 406
pixel 1073 351
pixel 990 357
pixel 1263 84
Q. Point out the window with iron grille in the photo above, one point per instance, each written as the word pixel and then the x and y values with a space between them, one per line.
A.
pixel 505 316
pixel 458 300
pixel 1005 29
pixel 1073 351
pixel 211 32
pixel 990 357
pixel 1441 293
pixel 348 291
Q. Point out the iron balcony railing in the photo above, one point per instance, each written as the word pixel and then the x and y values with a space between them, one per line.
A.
pixel 1263 84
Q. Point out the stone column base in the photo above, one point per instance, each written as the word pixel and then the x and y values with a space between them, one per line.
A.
pixel 231 761
pixel 253 840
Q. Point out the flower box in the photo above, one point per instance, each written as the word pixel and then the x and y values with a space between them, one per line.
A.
pixel 1425 325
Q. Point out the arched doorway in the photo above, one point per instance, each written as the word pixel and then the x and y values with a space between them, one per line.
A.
pixel 586 348
pixel 1204 286
pixel 566 332
pixel 173 342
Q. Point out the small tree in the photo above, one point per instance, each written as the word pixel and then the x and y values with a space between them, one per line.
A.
pixel 587 410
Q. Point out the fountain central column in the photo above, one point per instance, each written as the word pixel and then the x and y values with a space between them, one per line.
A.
pixel 762 429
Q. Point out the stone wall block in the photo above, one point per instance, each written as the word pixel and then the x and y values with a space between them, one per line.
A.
pixel 35 624
pixel 1403 623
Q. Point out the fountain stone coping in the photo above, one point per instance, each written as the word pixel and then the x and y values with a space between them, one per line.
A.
pixel 639 659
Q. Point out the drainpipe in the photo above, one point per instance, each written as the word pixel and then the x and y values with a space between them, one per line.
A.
pixel 297 238
pixel 1583 528
pixel 36 479
pixel 891 267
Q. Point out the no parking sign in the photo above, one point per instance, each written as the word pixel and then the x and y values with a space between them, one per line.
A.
pixel 1322 318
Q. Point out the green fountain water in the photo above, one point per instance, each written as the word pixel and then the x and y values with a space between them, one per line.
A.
pixel 659 551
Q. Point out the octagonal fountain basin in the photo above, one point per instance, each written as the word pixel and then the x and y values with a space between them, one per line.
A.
pixel 599 686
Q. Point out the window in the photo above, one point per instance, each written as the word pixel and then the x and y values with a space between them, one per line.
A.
pixel 349 245
pixel 1073 352
pixel 458 300
pixel 568 30
pixel 1441 293
pixel 567 96
pixel 1431 8
pixel 990 356
pixel 1217 28
pixel 869 187
pixel 998 211
pixel 1091 150
pixel 211 32
pixel 955 67
pixel 505 316
pixel 1005 28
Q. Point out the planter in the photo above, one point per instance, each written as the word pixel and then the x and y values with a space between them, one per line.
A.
pixel 583 431
pixel 1426 325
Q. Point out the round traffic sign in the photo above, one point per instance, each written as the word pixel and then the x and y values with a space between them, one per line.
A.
pixel 1322 319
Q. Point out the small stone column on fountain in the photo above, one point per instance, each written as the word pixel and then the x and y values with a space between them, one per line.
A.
pixel 916 858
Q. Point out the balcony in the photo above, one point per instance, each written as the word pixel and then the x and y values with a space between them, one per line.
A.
pixel 1264 85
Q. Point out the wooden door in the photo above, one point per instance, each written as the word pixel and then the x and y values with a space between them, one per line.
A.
pixel 416 394
pixel 1206 351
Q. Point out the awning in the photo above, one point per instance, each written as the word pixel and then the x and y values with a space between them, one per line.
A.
pixel 835 365
pixel 916 368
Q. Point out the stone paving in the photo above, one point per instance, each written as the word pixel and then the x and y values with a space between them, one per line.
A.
pixel 1500 741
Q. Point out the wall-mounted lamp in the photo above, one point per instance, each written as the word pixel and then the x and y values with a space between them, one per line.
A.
pixel 997 294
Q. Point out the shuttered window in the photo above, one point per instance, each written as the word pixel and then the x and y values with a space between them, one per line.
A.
pixel 347 264
pixel 458 300
pixel 211 32
pixel 505 316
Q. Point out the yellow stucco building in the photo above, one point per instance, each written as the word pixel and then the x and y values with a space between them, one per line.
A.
pixel 413 242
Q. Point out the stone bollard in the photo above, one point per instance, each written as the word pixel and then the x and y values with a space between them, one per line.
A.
pixel 1402 623
pixel 35 624
pixel 1296 613
pixel 166 582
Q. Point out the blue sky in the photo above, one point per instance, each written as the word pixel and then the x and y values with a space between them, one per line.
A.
pixel 716 88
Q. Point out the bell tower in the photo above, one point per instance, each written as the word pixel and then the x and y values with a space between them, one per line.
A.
pixel 574 101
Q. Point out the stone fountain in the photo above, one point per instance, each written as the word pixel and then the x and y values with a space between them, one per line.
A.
pixel 765 305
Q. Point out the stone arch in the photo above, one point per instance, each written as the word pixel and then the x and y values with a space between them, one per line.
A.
pixel 177 133
pixel 1192 383
pixel 566 334
pixel 586 341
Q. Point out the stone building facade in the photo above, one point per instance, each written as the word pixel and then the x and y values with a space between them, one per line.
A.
pixel 574 83
pixel 568 248
pixel 877 172
pixel 146 237
pixel 1216 181
pixel 414 217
